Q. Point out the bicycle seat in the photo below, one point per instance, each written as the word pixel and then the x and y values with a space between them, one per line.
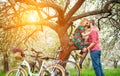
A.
pixel 37 52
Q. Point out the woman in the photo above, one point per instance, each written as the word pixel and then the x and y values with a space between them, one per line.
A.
pixel 80 39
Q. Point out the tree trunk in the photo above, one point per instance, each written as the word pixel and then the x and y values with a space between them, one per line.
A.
pixel 115 63
pixel 65 46
pixel 5 62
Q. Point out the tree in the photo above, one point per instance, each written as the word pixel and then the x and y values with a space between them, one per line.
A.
pixel 60 19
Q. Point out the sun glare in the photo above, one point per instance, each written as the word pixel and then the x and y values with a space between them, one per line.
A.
pixel 31 17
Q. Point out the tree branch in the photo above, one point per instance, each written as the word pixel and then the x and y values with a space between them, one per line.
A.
pixel 44 4
pixel 95 12
pixel 67 3
pixel 114 23
pixel 52 25
pixel 102 18
pixel 106 9
pixel 73 10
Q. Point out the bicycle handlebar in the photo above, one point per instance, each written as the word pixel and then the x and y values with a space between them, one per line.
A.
pixel 37 52
pixel 16 49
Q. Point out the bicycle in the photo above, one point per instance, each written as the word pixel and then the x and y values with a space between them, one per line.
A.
pixel 71 68
pixel 76 56
pixel 50 70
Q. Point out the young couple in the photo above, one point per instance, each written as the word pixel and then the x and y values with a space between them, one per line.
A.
pixel 86 39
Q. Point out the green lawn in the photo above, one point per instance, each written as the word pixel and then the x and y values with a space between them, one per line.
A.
pixel 107 72
pixel 2 73
pixel 90 72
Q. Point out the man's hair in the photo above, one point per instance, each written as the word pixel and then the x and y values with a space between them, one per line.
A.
pixel 92 21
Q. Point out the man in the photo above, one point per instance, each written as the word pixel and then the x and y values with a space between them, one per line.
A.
pixel 94 48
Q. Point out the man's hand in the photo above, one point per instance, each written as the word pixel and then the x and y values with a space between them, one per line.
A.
pixel 90 46
pixel 88 49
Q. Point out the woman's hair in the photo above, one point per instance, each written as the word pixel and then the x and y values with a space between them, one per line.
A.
pixel 83 21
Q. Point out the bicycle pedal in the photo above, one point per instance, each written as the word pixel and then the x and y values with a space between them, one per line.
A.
pixel 78 65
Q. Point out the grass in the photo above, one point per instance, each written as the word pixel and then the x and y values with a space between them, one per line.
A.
pixel 90 72
pixel 2 73
pixel 107 72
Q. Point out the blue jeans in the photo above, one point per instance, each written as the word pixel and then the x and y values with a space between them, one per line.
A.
pixel 95 56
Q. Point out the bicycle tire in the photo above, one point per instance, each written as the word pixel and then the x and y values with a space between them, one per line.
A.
pixel 71 68
pixel 14 70
pixel 55 69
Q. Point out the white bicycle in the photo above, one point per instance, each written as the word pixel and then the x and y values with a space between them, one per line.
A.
pixel 49 70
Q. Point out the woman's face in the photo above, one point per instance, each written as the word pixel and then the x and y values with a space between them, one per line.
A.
pixel 85 27
pixel 87 24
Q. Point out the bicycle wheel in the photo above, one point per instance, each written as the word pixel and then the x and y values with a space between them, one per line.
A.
pixel 53 70
pixel 71 68
pixel 16 72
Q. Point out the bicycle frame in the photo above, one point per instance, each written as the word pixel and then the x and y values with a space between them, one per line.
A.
pixel 76 56
pixel 18 72
pixel 20 69
pixel 25 63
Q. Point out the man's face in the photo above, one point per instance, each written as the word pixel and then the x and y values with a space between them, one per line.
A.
pixel 91 22
pixel 87 24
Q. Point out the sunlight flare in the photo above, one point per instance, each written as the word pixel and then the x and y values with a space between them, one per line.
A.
pixel 30 17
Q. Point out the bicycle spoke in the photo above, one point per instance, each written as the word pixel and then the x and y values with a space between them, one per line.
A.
pixel 71 69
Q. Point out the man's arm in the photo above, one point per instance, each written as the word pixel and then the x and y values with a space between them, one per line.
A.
pixel 90 46
pixel 93 39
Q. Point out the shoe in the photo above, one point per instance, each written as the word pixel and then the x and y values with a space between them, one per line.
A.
pixel 79 55
pixel 79 66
